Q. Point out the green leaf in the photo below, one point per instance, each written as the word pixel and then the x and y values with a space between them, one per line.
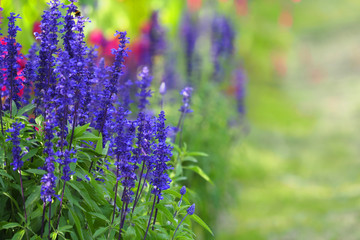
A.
pixel 199 171
pixel 77 224
pixel 197 154
pixel 99 146
pixel 87 136
pixel 25 109
pixel 14 108
pixel 197 219
pixel 106 148
pixel 99 216
pixel 30 154
pixel 10 225
pixel 5 174
pixel 176 194
pixel 80 130
pixel 65 228
pixel 190 159
pixel 33 196
pixel 36 171
pixel 166 212
pixel 54 235
pixel 13 200
pixel 39 120
pixel 19 235
pixel 130 233
pixel 99 232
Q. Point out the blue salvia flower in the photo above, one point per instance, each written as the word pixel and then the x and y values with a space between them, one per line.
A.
pixel 125 162
pixel 170 76
pixel 66 159
pixel 114 84
pixel 101 74
pixel 189 34
pixel 186 93
pixel 110 89
pixel 30 72
pixel 65 89
pixel 240 85
pixel 46 79
pixel 13 81
pixel 191 209
pixel 16 149
pixel 48 181
pixel 143 85
pixel 90 61
pixel 157 38
pixel 125 93
pixel 160 179
pixel 183 190
pixel 2 67
pixel 68 30
pixel 222 37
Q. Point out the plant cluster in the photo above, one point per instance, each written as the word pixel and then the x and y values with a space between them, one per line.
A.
pixel 82 156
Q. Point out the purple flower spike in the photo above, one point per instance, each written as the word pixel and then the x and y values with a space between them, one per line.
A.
pixel 191 209
pixel 183 190
pixel 15 139
pixel 160 179
pixel 143 85
pixel 189 34
pixel 186 93
pixel 13 82
pixel 222 37
pixel 48 180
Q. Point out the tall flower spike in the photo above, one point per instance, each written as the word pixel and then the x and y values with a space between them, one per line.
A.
pixel 240 86
pixel 189 33
pixel 110 89
pixel 13 80
pixel 46 80
pixel 30 72
pixel 222 37
pixel 66 160
pixel 80 75
pixel 160 179
pixel 157 38
pixel 143 84
pixel 16 150
pixel 186 93
pixel 68 30
pixel 1 80
pixel 125 131
pixel 48 180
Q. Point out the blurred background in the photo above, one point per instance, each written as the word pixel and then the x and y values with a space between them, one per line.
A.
pixel 275 102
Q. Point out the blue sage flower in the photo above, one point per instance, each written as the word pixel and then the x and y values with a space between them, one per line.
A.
pixel 13 81
pixel 160 179
pixel 30 72
pixel 48 181
pixel 46 79
pixel 222 43
pixel 186 94
pixel 17 163
pixel 191 209
pixel 143 85
pixel 183 190
pixel 189 33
